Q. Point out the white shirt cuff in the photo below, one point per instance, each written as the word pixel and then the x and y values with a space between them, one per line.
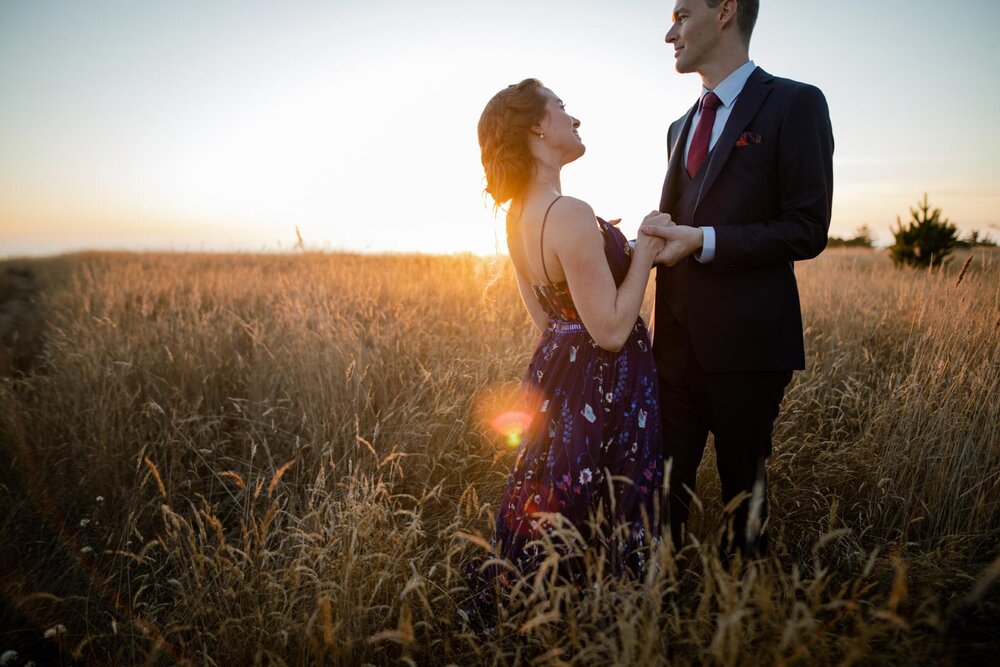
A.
pixel 707 252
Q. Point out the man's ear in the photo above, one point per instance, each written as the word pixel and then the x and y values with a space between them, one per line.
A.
pixel 727 12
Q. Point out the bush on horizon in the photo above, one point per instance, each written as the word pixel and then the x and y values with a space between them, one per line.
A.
pixel 926 241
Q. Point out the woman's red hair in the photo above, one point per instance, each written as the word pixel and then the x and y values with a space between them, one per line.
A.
pixel 504 134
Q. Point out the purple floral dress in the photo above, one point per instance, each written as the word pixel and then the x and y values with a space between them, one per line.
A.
pixel 593 413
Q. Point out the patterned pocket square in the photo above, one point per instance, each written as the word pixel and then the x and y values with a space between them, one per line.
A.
pixel 748 138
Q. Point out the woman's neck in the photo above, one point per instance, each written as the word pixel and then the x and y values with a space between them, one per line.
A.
pixel 546 180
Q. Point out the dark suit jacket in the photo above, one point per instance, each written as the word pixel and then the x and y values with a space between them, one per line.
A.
pixel 767 192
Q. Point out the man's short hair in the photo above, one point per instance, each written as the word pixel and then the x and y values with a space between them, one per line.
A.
pixel 746 15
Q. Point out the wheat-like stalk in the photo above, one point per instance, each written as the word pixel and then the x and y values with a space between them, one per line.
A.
pixel 156 475
pixel 279 473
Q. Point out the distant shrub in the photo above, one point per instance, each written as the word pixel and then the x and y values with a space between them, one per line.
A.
pixel 7 287
pixel 926 240
pixel 863 238
pixel 974 240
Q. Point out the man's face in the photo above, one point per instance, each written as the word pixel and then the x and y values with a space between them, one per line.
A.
pixel 694 34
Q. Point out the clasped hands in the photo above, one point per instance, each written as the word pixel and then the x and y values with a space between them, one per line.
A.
pixel 669 242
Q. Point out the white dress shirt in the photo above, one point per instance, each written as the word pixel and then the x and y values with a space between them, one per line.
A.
pixel 727 92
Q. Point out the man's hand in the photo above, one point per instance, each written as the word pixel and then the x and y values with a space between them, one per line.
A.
pixel 681 242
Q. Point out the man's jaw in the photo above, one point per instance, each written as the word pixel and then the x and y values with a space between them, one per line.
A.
pixel 679 64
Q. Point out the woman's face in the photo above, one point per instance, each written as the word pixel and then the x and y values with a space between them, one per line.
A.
pixel 560 129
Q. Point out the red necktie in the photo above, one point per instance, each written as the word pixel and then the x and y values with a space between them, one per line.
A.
pixel 703 133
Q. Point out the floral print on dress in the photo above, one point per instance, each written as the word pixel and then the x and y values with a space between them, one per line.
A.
pixel 595 413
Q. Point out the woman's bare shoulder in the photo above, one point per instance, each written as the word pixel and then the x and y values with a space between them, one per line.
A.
pixel 570 208
pixel 571 217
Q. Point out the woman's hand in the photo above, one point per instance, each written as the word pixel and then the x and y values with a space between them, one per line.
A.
pixel 649 244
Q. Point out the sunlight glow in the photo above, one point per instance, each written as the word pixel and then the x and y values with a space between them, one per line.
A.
pixel 225 129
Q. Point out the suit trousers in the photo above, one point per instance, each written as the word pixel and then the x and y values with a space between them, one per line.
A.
pixel 739 409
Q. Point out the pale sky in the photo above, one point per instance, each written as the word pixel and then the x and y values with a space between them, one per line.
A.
pixel 224 125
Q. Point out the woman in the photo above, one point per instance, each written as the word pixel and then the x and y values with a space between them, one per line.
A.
pixel 591 384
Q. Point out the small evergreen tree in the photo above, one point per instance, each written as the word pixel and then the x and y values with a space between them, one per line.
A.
pixel 864 237
pixel 926 240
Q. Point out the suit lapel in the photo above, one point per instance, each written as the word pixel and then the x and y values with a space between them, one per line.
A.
pixel 747 104
pixel 668 198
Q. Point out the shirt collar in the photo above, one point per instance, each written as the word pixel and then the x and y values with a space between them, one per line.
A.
pixel 732 85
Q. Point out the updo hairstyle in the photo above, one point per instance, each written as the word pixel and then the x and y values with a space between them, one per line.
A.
pixel 504 133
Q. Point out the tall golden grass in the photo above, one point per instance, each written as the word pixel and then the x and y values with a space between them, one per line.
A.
pixel 287 460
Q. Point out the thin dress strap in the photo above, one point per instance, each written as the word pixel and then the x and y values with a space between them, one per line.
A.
pixel 541 240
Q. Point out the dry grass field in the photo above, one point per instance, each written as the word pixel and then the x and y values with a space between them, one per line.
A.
pixel 287 459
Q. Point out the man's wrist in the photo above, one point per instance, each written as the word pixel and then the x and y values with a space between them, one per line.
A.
pixel 705 253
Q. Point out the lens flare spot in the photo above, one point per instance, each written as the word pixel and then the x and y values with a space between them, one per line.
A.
pixel 511 425
pixel 508 409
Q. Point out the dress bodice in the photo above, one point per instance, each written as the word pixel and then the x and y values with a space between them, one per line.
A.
pixel 556 299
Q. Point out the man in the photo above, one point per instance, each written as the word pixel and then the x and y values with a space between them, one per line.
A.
pixel 749 184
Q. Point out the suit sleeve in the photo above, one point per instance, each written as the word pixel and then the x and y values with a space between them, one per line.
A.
pixel 805 190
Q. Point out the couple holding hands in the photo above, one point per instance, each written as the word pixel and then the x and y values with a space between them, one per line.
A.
pixel 614 407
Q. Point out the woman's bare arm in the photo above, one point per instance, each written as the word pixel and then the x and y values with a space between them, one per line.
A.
pixel 608 312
